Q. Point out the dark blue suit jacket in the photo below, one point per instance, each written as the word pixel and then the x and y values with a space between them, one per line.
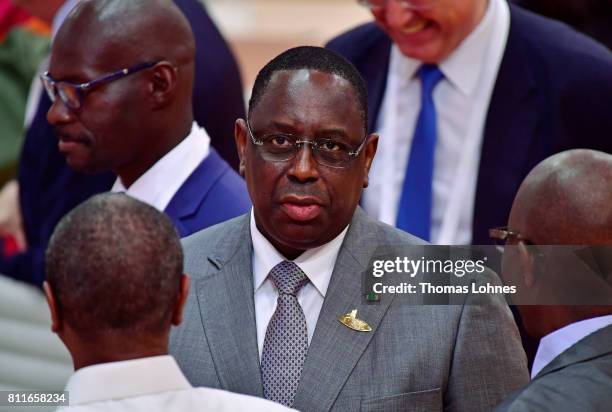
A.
pixel 212 194
pixel 553 92
pixel 49 189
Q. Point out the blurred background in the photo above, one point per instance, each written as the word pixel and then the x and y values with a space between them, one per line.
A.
pixel 258 30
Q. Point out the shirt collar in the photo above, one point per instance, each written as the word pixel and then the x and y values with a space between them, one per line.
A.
pixel 463 67
pixel 160 183
pixel 317 263
pixel 557 342
pixel 125 379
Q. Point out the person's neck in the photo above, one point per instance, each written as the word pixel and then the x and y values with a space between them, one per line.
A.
pixel 93 355
pixel 556 317
pixel 162 144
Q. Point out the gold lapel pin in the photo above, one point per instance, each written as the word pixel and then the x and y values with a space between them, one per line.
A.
pixel 351 321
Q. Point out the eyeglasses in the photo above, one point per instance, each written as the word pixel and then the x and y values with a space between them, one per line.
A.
pixel 281 147
pixel 501 236
pixel 72 94
pixel 407 4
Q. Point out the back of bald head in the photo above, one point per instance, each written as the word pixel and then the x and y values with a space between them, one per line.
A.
pixel 127 32
pixel 115 267
pixel 566 200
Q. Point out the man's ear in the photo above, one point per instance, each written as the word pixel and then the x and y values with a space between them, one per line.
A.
pixel 526 261
pixel 241 138
pixel 177 316
pixel 56 322
pixel 370 151
pixel 163 84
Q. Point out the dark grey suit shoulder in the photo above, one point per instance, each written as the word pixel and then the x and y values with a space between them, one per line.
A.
pixel 579 379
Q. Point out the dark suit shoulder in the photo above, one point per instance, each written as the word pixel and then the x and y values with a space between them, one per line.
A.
pixel 580 387
pixel 228 187
pixel 579 379
pixel 551 42
pixel 212 194
pixel 358 41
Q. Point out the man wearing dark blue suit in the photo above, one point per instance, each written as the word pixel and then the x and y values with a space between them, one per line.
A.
pixel 468 96
pixel 49 188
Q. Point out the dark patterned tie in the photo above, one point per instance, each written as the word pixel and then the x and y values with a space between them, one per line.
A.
pixel 286 341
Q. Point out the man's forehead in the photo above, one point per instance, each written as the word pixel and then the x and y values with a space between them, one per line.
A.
pixel 87 55
pixel 71 63
pixel 307 89
pixel 307 79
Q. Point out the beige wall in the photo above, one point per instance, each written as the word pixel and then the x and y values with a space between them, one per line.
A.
pixel 258 30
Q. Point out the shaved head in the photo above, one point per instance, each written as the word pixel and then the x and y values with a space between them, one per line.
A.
pixel 125 31
pixel 566 200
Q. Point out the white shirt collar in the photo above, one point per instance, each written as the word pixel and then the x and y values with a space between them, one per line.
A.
pixel 160 183
pixel 557 342
pixel 61 15
pixel 463 67
pixel 317 263
pixel 125 379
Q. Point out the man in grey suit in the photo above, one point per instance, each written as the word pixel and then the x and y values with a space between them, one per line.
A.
pixel 564 293
pixel 270 286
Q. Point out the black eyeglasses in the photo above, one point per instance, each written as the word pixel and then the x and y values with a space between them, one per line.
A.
pixel 72 94
pixel 330 152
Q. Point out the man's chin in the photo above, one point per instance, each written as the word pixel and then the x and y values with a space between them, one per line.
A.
pixel 82 166
pixel 303 236
pixel 427 52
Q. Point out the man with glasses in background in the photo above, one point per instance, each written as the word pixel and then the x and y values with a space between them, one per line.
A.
pixel 271 286
pixel 468 96
pixel 47 188
pixel 122 101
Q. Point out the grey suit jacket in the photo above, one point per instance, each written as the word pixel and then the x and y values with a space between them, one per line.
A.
pixel 579 379
pixel 417 358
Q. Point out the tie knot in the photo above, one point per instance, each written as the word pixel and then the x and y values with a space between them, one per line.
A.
pixel 430 75
pixel 288 277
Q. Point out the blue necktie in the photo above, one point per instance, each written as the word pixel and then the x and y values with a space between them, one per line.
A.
pixel 414 212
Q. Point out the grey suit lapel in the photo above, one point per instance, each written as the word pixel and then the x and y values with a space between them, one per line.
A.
pixel 595 345
pixel 335 349
pixel 226 305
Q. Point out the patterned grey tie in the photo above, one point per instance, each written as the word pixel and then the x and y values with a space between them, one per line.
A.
pixel 286 341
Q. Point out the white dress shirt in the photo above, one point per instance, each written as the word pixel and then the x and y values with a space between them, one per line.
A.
pixel 158 185
pixel 557 342
pixel 317 264
pixel 149 385
pixel 462 100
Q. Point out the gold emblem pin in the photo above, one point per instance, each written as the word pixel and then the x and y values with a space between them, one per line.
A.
pixel 350 321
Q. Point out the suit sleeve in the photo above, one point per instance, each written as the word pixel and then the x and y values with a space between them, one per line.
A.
pixel 488 361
